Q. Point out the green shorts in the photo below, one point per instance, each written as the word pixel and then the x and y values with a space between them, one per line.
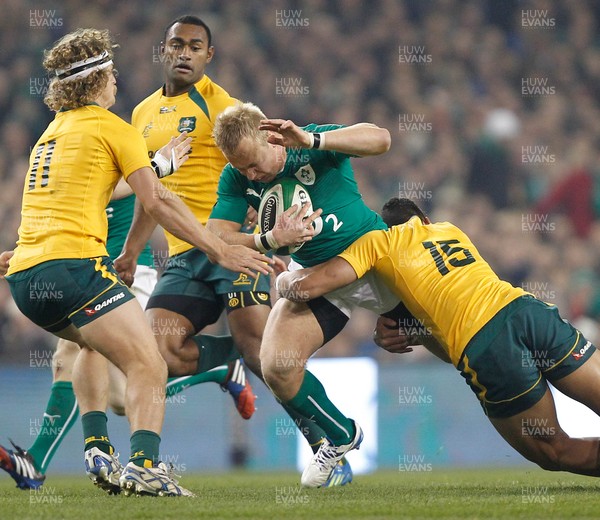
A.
pixel 508 362
pixel 200 290
pixel 58 293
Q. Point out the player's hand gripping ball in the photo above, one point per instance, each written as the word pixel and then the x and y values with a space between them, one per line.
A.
pixel 278 198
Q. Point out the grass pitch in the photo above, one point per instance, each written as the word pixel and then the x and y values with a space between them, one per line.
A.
pixel 433 494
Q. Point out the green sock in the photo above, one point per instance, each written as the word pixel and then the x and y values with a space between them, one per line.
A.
pixel 144 448
pixel 312 401
pixel 61 414
pixel 312 432
pixel 95 432
pixel 179 384
pixel 214 351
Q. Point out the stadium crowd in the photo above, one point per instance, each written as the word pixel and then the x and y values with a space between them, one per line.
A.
pixel 493 107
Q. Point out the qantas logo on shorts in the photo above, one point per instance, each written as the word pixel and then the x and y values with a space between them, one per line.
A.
pixel 99 306
pixel 582 351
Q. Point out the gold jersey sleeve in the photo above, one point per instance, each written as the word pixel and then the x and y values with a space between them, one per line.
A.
pixel 73 169
pixel 159 118
pixel 439 275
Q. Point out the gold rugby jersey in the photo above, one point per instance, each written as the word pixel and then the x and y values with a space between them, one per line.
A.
pixel 73 169
pixel 159 118
pixel 439 275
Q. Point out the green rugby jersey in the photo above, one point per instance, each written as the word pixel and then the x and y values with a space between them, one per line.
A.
pixel 329 179
pixel 120 214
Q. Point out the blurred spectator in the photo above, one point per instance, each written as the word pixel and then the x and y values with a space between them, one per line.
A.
pixel 577 192
pixel 491 172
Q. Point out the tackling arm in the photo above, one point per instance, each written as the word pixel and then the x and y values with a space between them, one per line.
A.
pixel 307 284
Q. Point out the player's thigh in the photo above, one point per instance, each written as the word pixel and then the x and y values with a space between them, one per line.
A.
pixel 535 433
pixel 124 337
pixel 292 332
pixel 583 384
pixel 247 325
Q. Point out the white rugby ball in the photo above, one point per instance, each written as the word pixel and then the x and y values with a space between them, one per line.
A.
pixel 278 198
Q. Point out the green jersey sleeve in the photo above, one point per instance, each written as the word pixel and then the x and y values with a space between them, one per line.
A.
pixel 231 196
pixel 120 214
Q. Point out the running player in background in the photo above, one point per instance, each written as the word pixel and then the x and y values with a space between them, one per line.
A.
pixel 74 168
pixel 260 152
pixel 506 343
pixel 193 292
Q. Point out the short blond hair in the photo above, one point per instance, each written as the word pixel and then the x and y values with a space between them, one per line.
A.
pixel 73 47
pixel 236 122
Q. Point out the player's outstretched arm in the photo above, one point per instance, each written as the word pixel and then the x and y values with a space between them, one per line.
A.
pixel 173 215
pixel 229 232
pixel 310 283
pixel 360 139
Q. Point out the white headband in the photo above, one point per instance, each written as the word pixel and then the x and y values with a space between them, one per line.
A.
pixel 83 68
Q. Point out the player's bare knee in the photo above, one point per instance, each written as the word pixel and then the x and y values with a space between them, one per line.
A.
pixel 159 370
pixel 147 361
pixel 283 374
pixel 273 376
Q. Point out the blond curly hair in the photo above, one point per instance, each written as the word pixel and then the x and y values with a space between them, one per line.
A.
pixel 76 46
pixel 236 122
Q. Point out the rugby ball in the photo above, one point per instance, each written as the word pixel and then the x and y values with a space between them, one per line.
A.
pixel 279 197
